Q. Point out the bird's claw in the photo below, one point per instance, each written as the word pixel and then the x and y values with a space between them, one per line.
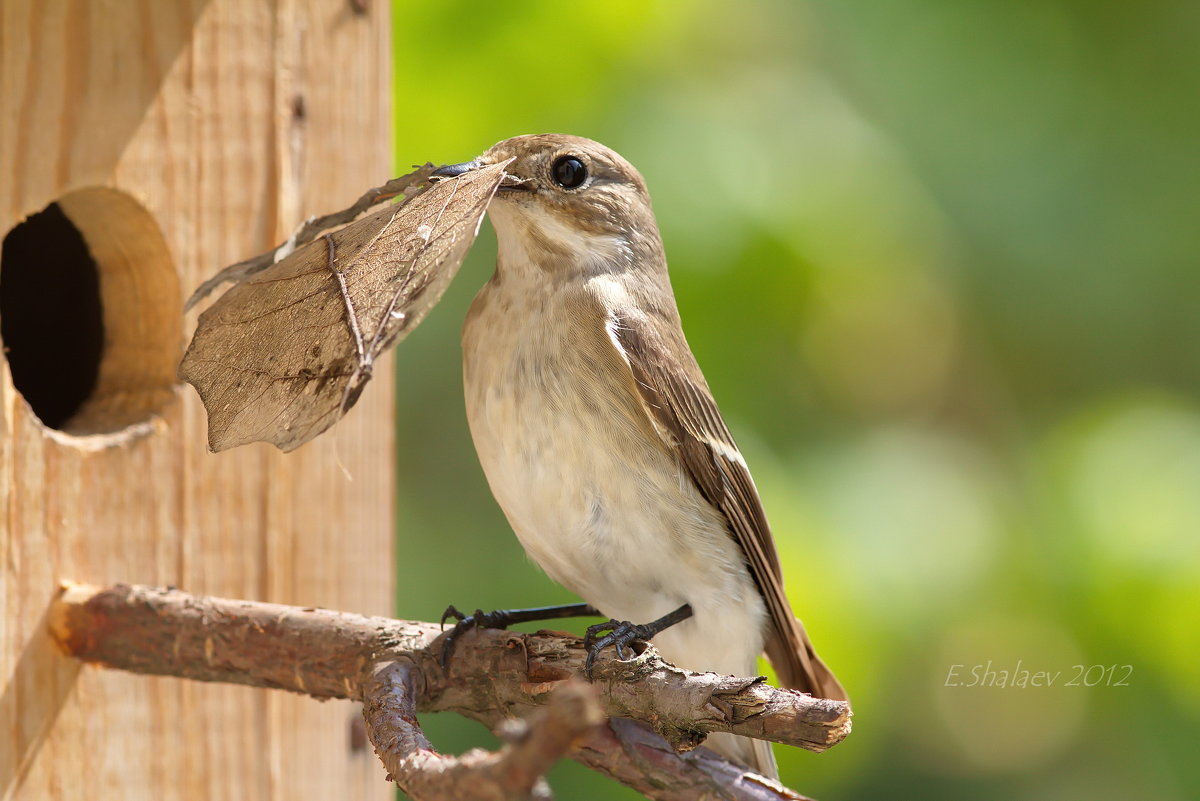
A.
pixel 621 635
pixel 499 619
pixel 451 612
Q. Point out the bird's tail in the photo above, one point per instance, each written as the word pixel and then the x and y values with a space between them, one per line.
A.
pixel 797 664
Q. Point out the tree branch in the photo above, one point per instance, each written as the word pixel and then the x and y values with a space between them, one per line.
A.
pixel 493 677
pixel 514 772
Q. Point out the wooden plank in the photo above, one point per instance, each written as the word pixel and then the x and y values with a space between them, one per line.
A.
pixel 190 108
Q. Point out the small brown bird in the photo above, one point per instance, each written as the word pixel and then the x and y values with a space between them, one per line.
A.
pixel 599 435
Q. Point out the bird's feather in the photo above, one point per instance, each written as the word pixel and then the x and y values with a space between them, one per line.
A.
pixel 679 403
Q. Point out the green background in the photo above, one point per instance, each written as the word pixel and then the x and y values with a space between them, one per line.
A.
pixel 939 263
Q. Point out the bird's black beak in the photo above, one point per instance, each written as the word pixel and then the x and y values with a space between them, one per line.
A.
pixel 454 170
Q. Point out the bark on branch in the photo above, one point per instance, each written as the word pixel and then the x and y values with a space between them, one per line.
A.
pixel 392 667
pixel 513 772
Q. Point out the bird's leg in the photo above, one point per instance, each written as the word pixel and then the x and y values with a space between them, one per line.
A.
pixel 503 618
pixel 622 634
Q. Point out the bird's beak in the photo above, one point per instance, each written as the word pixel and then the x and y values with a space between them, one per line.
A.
pixel 509 181
pixel 454 170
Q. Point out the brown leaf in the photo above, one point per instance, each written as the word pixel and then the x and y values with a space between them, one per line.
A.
pixel 283 355
pixel 409 186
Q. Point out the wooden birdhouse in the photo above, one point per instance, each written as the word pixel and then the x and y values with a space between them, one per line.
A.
pixel 144 146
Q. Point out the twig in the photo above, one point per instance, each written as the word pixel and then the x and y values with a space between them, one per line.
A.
pixel 494 676
pixel 629 752
pixel 409 185
pixel 514 772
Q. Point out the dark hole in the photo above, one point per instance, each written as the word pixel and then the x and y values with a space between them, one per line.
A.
pixel 51 317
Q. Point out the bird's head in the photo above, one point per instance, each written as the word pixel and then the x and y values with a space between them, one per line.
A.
pixel 566 199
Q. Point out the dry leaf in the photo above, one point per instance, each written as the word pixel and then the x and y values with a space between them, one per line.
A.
pixel 281 356
pixel 409 185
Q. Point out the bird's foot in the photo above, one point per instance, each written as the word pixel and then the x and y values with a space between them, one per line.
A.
pixel 497 619
pixel 502 619
pixel 622 635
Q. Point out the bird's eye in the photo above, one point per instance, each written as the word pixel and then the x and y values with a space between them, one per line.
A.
pixel 568 172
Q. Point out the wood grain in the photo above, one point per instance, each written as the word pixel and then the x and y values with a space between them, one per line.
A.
pixel 191 109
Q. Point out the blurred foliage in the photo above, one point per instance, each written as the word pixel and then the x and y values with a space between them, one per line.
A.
pixel 939 263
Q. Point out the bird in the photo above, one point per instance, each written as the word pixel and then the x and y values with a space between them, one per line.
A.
pixel 599 436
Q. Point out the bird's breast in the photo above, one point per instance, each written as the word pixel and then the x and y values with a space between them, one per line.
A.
pixel 597 499
pixel 555 436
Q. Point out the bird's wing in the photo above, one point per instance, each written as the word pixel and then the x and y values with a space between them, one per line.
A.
pixel 677 399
